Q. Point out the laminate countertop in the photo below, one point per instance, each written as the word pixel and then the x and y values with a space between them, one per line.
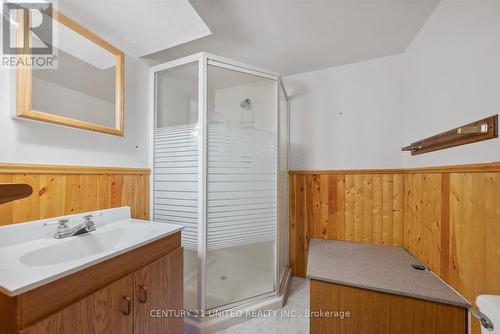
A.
pixel 376 267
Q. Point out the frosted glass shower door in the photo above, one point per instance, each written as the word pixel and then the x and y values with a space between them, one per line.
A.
pixel 241 186
pixel 177 165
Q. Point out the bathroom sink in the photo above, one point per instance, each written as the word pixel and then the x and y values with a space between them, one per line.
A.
pixel 85 245
pixel 30 256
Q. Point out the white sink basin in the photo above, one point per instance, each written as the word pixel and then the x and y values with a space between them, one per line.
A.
pixel 31 257
pixel 85 245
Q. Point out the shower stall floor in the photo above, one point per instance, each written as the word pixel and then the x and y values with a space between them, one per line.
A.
pixel 233 274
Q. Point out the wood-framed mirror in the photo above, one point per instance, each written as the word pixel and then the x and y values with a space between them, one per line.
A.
pixel 86 88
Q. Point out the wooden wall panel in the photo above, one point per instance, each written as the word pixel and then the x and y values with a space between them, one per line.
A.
pixel 449 218
pixel 142 201
pixel 51 189
pixel 6 208
pixel 356 207
pixel 474 238
pixel 423 218
pixel 60 190
pixel 398 196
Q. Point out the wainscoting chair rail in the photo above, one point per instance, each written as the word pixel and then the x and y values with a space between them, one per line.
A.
pixel 15 168
pixel 491 167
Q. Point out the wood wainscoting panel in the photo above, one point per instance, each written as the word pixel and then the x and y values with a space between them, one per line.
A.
pixel 447 217
pixel 66 190
pixel 474 237
pixel 353 207
pixel 423 218
pixel 6 208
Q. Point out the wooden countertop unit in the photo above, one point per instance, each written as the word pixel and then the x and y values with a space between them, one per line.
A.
pixel 379 268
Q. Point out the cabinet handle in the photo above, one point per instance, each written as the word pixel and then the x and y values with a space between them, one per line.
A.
pixel 143 294
pixel 126 305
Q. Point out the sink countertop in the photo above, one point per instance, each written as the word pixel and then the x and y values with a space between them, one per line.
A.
pixel 35 242
pixel 376 267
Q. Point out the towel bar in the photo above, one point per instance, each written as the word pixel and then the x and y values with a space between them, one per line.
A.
pixel 485 321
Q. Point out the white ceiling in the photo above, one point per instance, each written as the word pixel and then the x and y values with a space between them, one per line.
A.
pixel 295 36
pixel 139 27
pixel 286 36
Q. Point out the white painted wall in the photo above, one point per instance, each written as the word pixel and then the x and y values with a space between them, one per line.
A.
pixel 176 105
pixel 347 117
pixel 449 76
pixel 453 78
pixel 226 102
pixel 23 141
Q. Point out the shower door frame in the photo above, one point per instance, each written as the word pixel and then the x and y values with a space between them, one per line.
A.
pixel 281 278
pixel 203 60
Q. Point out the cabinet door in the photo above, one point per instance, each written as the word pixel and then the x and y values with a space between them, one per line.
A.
pixel 159 288
pixel 107 311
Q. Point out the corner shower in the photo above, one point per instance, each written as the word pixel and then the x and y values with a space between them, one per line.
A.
pixel 221 171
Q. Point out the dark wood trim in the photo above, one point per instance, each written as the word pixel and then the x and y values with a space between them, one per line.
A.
pixel 456 137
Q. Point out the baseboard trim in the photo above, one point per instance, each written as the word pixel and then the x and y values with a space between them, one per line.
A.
pixel 212 325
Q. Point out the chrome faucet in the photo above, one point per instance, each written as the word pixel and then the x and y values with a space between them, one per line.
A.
pixel 64 231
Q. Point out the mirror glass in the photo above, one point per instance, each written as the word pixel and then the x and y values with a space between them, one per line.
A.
pixel 83 86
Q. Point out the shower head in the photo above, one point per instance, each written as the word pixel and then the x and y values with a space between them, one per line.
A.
pixel 246 104
pixel 247 120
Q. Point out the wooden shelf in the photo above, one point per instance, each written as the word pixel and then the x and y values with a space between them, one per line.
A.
pixel 483 129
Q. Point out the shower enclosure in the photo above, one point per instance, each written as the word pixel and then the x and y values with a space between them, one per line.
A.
pixel 221 171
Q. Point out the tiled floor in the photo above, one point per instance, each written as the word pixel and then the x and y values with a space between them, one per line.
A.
pixel 284 322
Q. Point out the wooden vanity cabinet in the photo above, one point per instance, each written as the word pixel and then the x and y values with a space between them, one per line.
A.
pixel 108 310
pixel 125 305
pixel 158 287
pixel 377 312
